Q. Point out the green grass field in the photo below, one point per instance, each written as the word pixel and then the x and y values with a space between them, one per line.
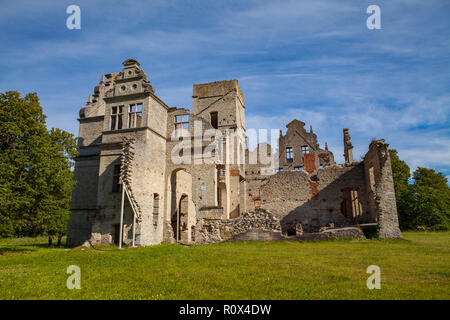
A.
pixel 416 267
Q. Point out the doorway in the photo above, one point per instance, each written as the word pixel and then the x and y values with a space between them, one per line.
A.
pixel 116 233
pixel 183 209
pixel 179 220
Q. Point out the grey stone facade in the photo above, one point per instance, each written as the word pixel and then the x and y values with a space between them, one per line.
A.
pixel 256 225
pixel 130 137
pixel 323 194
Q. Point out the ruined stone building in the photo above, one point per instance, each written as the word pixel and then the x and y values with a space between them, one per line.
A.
pixel 188 178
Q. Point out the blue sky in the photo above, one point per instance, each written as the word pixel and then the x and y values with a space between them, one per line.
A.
pixel 311 60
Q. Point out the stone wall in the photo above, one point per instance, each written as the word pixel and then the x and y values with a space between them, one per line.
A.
pixel 84 194
pixel 256 225
pixel 223 97
pixel 79 227
pixel 147 174
pixel 333 234
pixel 296 138
pixel 262 225
pixel 314 200
pixel 380 186
pixel 310 195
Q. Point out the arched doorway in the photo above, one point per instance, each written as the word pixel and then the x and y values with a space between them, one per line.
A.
pixel 179 220
pixel 184 221
pixel 182 211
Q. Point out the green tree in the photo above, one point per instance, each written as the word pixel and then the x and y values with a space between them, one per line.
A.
pixel 423 204
pixel 400 172
pixel 35 169
pixel 429 198
pixel 429 178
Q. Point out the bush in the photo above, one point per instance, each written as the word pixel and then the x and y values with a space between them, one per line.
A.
pixel 6 227
pixel 371 233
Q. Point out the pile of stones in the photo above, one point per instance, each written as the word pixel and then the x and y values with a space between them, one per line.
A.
pixel 258 219
pixel 215 230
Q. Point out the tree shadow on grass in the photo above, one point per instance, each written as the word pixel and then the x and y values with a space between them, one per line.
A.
pixel 27 247
pixel 15 249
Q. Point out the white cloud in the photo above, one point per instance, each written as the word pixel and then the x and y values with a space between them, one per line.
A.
pixel 310 60
pixel 418 147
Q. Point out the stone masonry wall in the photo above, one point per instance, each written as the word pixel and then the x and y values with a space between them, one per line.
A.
pixel 380 186
pixel 256 225
pixel 310 194
pixel 313 201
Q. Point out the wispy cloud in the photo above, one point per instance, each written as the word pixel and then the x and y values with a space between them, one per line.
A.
pixel 311 60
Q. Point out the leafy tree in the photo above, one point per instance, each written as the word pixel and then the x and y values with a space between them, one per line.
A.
pixel 429 209
pixel 35 169
pixel 400 172
pixel 423 204
pixel 429 178
pixel 429 200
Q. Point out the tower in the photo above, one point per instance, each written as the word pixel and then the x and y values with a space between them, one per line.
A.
pixel 221 104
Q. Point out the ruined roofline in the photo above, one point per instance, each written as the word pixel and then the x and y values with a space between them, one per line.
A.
pixel 232 84
pixel 293 121
pixel 131 62
pixel 173 109
pixel 215 82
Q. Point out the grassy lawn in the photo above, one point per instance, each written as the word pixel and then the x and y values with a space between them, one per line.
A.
pixel 416 267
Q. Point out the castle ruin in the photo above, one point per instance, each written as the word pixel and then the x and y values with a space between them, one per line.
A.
pixel 189 177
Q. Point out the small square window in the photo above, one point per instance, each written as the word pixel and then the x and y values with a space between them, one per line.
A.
pixel 214 119
pixel 289 154
pixel 181 125
pixel 305 150
pixel 116 118
pixel 135 115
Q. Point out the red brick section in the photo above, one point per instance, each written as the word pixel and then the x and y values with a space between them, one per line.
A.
pixel 314 190
pixel 234 173
pixel 309 161
pixel 323 155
